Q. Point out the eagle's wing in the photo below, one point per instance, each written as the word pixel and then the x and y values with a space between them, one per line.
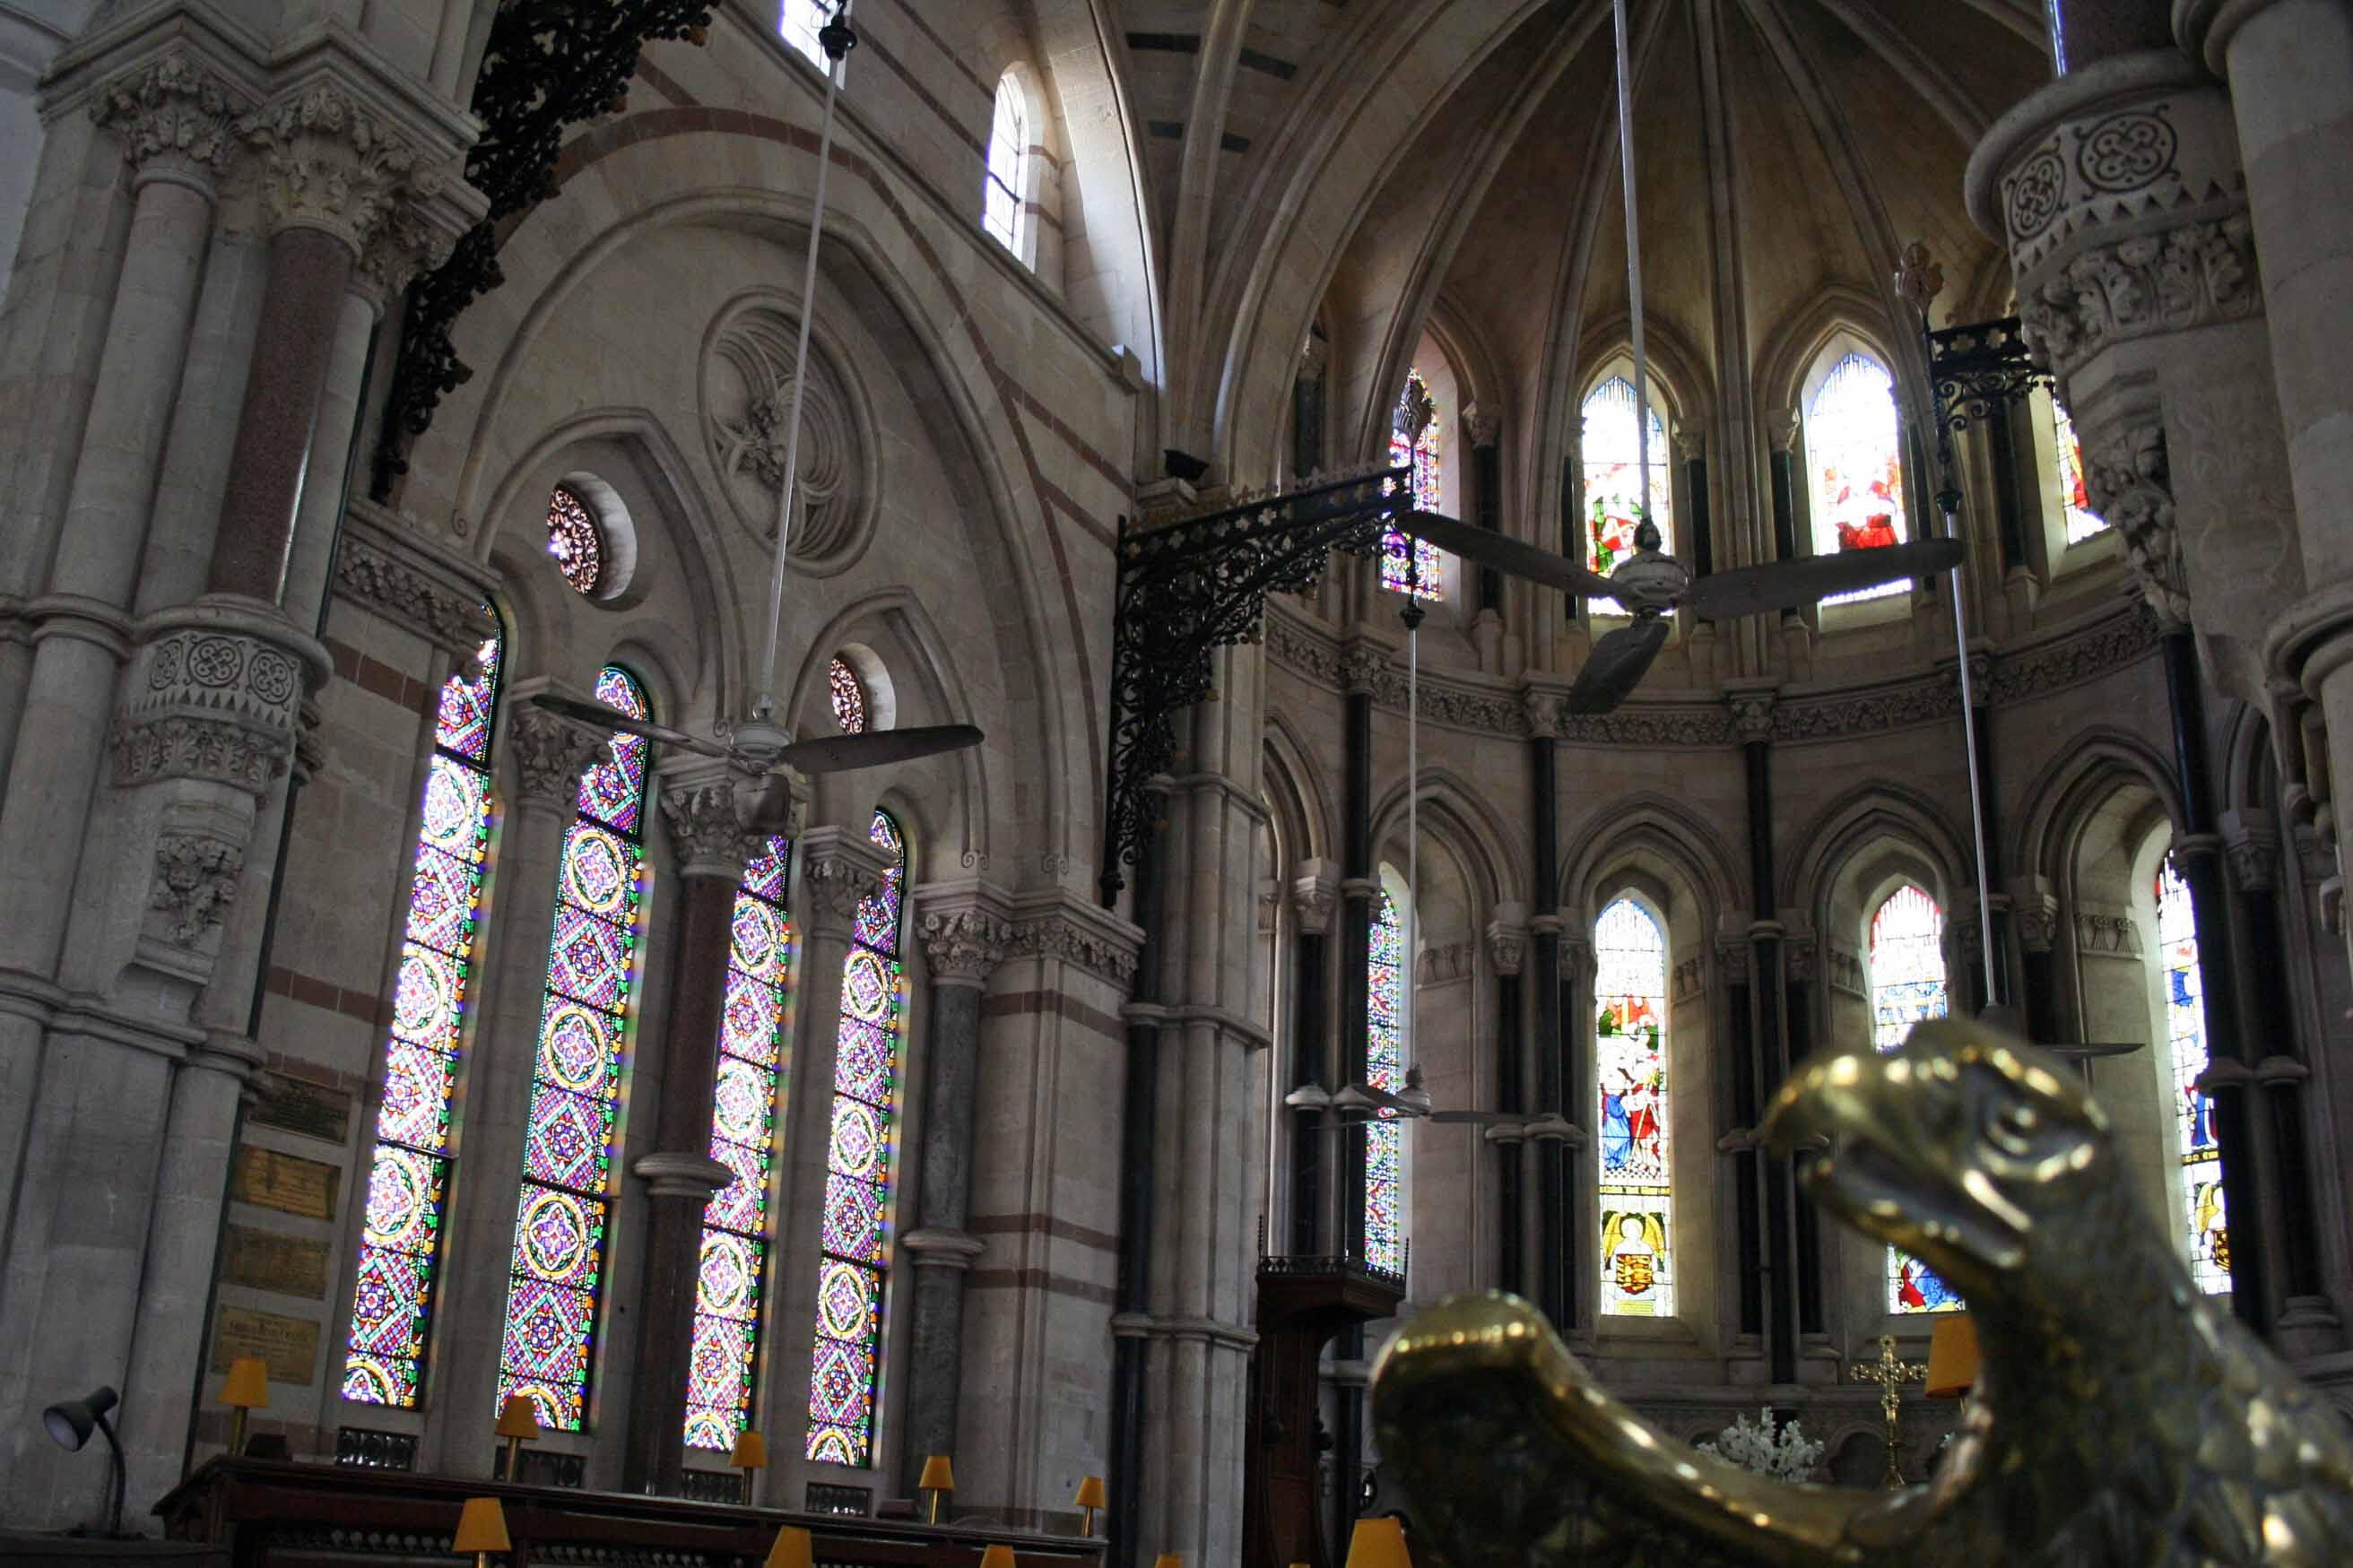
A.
pixel 1512 1456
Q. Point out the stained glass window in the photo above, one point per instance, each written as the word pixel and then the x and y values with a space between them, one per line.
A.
pixel 799 22
pixel 1008 142
pixel 400 1247
pixel 2193 1111
pixel 1417 441
pixel 1385 980
pixel 849 695
pixel 1852 448
pixel 1630 1060
pixel 1612 459
pixel 735 1222
pixel 574 539
pixel 855 1248
pixel 1907 984
pixel 575 1090
pixel 2083 522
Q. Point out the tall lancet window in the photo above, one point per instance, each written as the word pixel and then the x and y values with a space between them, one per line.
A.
pixel 2185 1034
pixel 1417 441
pixel 735 1222
pixel 1386 979
pixel 2083 522
pixel 1630 1060
pixel 575 1090
pixel 1907 984
pixel 1008 144
pixel 856 1242
pixel 1611 456
pixel 1855 451
pixel 400 1247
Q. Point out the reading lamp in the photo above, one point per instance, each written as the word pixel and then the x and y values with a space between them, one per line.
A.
pixel 70 1423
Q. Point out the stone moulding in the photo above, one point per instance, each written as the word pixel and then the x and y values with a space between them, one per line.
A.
pixel 390 567
pixel 215 694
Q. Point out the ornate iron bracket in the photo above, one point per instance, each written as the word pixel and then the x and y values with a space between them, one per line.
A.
pixel 1197 584
pixel 548 64
pixel 1976 372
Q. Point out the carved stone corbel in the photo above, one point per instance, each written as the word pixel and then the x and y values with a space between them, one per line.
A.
pixel 2129 481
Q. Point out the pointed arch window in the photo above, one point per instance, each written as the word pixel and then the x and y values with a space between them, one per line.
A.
pixel 2193 1111
pixel 400 1246
pixel 560 1224
pixel 1907 984
pixel 855 1248
pixel 2083 522
pixel 1008 145
pixel 1854 449
pixel 1386 979
pixel 736 1224
pixel 1417 441
pixel 1630 1078
pixel 1611 456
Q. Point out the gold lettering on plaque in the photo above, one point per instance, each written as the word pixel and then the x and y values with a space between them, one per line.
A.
pixel 265 1260
pixel 289 1345
pixel 285 1182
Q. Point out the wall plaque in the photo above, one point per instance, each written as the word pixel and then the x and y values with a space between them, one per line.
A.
pixel 286 1182
pixel 265 1260
pixel 289 1345
pixel 298 1105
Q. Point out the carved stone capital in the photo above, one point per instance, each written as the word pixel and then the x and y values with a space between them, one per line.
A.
pixel 840 868
pixel 1315 894
pixel 2250 842
pixel 196 877
pixel 1361 668
pixel 706 828
pixel 215 694
pixel 1483 422
pixel 1752 713
pixel 172 114
pixel 2129 480
pixel 963 946
pixel 1508 943
pixel 2036 921
pixel 328 163
pixel 1781 427
pixel 549 753
pixel 1542 709
pixel 1690 443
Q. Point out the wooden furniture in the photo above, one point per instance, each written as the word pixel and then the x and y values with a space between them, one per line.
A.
pixel 275 1514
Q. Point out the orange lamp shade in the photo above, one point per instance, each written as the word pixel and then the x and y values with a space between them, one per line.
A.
pixel 1091 1494
pixel 751 1451
pixel 939 1476
pixel 1168 1559
pixel 1952 1357
pixel 518 1417
pixel 792 1549
pixel 481 1526
pixel 247 1388
pixel 1378 1543
pixel 998 1555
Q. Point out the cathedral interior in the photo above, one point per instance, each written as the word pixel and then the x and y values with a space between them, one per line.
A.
pixel 389 388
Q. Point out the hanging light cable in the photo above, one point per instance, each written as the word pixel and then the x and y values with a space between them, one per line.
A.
pixel 1633 260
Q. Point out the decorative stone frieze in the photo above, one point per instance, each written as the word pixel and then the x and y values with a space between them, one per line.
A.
pixel 705 828
pixel 1058 936
pixel 215 694
pixel 2107 935
pixel 1270 906
pixel 328 163
pixel 1846 970
pixel 1445 962
pixel 173 111
pixel 2190 277
pixel 384 564
pixel 195 882
pixel 839 869
pixel 1691 978
pixel 549 752
pixel 963 946
pixel 2129 481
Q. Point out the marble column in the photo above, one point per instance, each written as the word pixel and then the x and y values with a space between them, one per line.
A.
pixel 1314 898
pixel 1752 714
pixel 712 843
pixel 1507 951
pixel 964 934
pixel 1483 424
pixel 1551 1275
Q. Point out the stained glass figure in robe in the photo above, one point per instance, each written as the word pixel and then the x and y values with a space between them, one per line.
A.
pixel 2083 522
pixel 1854 449
pixel 2193 1108
pixel 1907 984
pixel 1630 1078
pixel 735 1222
pixel 1417 441
pixel 854 1248
pixel 560 1223
pixel 1385 1065
pixel 400 1247
pixel 1611 457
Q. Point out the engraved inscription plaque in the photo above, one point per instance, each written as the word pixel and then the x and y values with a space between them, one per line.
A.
pixel 298 1105
pixel 265 1260
pixel 285 1182
pixel 290 1346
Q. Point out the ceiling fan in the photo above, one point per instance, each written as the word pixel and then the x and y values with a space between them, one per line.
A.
pixel 758 743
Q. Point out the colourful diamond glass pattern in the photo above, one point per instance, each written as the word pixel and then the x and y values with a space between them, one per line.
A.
pixel 856 1223
pixel 1417 441
pixel 1630 1063
pixel 1385 1069
pixel 2193 1111
pixel 392 1299
pixel 719 1379
pixel 575 1093
pixel 1907 984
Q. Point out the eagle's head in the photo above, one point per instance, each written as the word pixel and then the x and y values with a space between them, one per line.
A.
pixel 1970 1150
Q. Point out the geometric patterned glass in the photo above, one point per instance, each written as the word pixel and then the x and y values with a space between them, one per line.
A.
pixel 400 1247
pixel 1638 1233
pixel 2193 1111
pixel 575 1093
pixel 854 1245
pixel 735 1235
pixel 1851 447
pixel 1421 573
pixel 1008 136
pixel 1385 1069
pixel 849 695
pixel 2083 522
pixel 1907 984
pixel 1612 459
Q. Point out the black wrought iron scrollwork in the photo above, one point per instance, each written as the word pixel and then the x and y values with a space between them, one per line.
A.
pixel 1982 368
pixel 1196 583
pixel 548 64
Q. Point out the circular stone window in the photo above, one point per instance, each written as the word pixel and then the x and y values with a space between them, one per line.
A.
pixel 575 540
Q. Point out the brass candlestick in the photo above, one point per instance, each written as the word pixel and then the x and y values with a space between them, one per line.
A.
pixel 1891 1372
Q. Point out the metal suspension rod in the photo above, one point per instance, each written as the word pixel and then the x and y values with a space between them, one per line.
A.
pixel 1976 784
pixel 1634 253
pixel 839 72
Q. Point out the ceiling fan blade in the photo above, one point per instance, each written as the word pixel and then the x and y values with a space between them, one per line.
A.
pixel 2004 1016
pixel 843 754
pixel 1792 584
pixel 1616 666
pixel 605 718
pixel 1505 553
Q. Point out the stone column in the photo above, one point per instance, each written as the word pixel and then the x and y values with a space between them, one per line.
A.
pixel 1507 950
pixel 964 935
pixel 1697 541
pixel 1752 717
pixel 2035 909
pixel 712 843
pixel 546 754
pixel 1314 896
pixel 1555 1281
pixel 1483 425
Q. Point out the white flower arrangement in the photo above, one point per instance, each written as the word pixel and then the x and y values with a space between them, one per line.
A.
pixel 1783 1454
